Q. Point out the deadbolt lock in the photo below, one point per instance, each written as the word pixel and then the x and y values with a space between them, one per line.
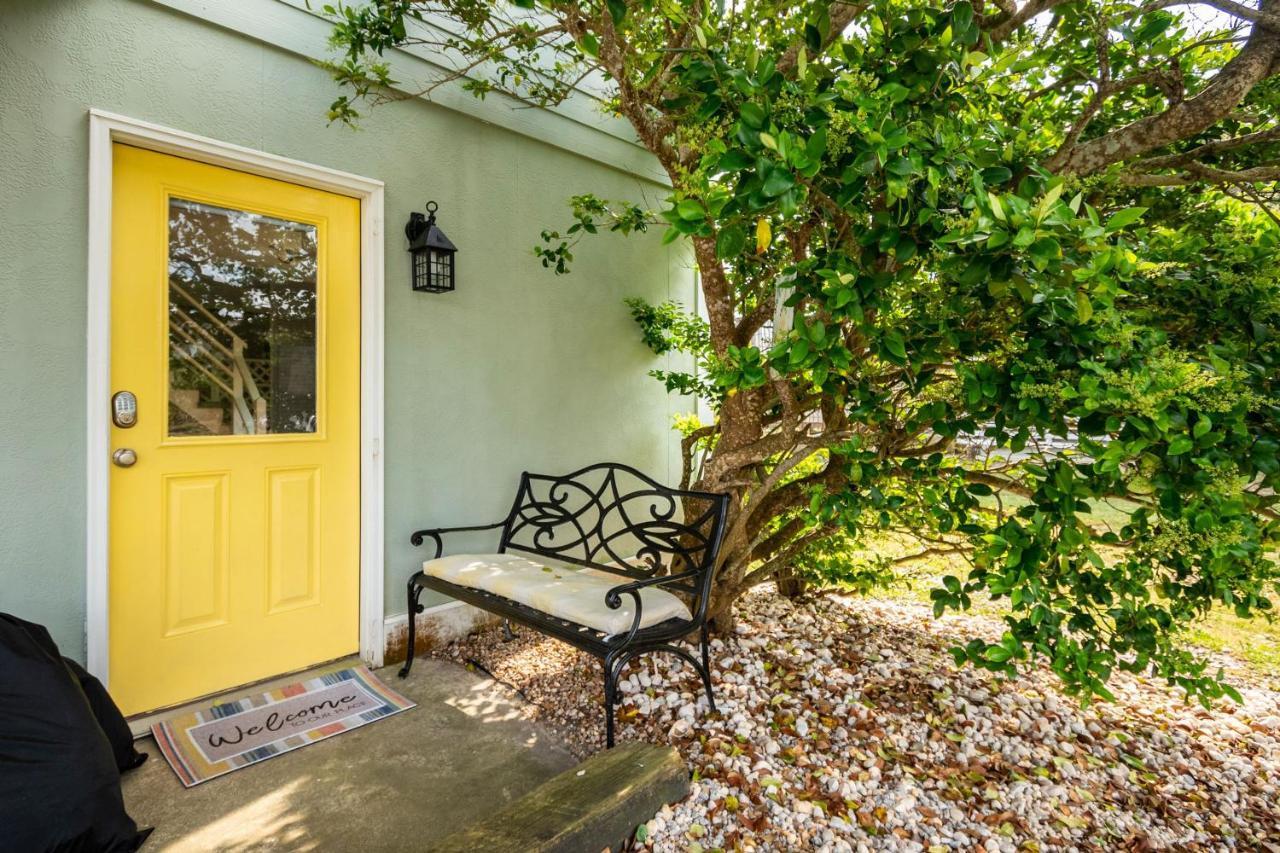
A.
pixel 124 409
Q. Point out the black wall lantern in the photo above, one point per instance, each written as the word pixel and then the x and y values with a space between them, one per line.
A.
pixel 431 255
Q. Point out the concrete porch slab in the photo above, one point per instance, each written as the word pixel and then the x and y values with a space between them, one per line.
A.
pixel 396 784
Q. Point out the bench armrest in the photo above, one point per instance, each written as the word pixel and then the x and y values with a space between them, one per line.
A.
pixel 613 598
pixel 435 534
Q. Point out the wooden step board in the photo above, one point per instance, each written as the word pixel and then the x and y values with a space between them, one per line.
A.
pixel 595 805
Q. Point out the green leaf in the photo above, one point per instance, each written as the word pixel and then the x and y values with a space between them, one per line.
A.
pixel 1125 217
pixel 730 242
pixel 752 115
pixel 1045 249
pixel 1084 308
pixel 735 160
pixel 1179 445
pixel 1051 198
pixel 998 654
pixel 617 10
pixel 691 209
pixel 996 174
pixel 899 166
pixel 896 92
pixel 817 145
pixel 895 344
pixel 777 182
pixel 996 208
pixel 1152 26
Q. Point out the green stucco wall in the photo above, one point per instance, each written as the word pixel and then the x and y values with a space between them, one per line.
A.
pixel 516 370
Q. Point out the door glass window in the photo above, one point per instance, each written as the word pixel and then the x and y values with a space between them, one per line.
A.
pixel 242 322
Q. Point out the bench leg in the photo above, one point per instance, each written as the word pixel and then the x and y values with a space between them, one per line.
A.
pixel 706 670
pixel 414 609
pixel 611 672
pixel 613 666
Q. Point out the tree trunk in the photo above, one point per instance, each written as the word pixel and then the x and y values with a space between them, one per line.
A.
pixel 720 617
pixel 723 623
pixel 790 584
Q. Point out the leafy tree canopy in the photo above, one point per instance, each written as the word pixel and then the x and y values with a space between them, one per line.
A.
pixel 971 271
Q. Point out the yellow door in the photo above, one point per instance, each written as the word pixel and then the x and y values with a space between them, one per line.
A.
pixel 235 323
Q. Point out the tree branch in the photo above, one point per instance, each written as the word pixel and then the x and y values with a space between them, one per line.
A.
pixel 1269 20
pixel 1253 64
pixel 770 566
pixel 1200 173
pixel 687 445
pixel 842 15
pixel 1208 149
pixel 1006 25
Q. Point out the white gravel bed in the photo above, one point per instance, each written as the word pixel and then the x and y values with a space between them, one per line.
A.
pixel 844 725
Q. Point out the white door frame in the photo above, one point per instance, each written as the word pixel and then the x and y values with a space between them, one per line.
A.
pixel 106 128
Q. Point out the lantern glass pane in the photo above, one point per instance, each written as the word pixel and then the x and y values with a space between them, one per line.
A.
pixel 441 270
pixel 421 268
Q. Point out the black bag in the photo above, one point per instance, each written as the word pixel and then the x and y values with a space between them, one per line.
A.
pixel 110 720
pixel 59 779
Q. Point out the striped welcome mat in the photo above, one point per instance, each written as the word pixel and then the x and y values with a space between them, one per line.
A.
pixel 203 745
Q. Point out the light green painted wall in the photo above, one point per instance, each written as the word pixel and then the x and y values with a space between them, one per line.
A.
pixel 517 369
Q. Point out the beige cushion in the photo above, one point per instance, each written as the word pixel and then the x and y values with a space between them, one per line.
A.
pixel 569 592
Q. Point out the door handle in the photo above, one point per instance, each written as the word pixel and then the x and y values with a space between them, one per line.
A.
pixel 124 457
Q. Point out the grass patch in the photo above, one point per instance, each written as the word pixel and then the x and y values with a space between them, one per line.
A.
pixel 1255 643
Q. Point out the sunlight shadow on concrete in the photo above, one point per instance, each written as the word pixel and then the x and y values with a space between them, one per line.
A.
pixel 270 819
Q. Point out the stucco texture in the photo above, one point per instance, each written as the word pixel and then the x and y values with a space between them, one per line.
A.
pixel 516 370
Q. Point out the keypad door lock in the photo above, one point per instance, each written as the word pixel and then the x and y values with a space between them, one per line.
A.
pixel 124 409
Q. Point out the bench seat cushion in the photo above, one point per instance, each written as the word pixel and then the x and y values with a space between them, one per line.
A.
pixel 569 592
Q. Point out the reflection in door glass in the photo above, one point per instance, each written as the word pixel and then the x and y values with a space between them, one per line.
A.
pixel 242 322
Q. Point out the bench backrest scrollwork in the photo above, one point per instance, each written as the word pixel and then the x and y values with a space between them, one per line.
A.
pixel 613 518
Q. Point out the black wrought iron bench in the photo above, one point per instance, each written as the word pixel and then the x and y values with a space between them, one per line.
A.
pixel 661 543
